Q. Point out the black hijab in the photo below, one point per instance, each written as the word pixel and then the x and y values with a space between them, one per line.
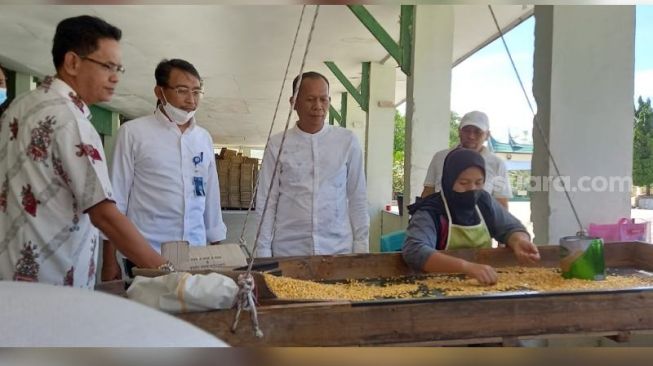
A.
pixel 462 205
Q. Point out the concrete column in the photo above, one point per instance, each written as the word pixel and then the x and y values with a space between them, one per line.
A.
pixel 23 83
pixel 356 121
pixel 583 85
pixel 380 140
pixel 428 94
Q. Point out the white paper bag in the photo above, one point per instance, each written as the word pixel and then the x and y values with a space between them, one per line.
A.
pixel 181 292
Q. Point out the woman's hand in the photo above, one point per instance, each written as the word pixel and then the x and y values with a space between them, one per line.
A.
pixel 444 263
pixel 484 274
pixel 525 251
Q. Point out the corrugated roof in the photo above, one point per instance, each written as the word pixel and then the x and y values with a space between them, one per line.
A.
pixel 512 146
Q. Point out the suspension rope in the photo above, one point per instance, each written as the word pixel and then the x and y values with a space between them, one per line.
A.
pixel 537 125
pixel 285 132
pixel 242 241
pixel 245 300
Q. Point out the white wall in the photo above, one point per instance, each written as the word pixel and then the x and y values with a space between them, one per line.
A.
pixel 583 86
pixel 356 120
pixel 379 149
pixel 428 94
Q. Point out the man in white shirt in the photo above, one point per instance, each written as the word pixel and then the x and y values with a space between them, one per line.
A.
pixel 55 191
pixel 318 202
pixel 474 130
pixel 163 170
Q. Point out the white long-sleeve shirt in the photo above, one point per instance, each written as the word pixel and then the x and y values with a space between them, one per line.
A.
pixel 159 176
pixel 318 203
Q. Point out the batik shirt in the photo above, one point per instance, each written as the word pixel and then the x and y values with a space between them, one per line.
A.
pixel 52 170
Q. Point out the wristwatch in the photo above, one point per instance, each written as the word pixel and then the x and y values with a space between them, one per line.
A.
pixel 166 267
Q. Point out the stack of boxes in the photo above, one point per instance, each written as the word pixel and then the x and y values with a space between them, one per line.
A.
pixel 248 173
pixel 237 175
pixel 234 181
pixel 223 178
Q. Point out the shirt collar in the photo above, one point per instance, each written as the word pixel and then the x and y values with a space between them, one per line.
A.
pixel 158 114
pixel 324 129
pixel 62 88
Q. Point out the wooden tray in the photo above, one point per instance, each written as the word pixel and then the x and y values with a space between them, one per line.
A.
pixel 451 320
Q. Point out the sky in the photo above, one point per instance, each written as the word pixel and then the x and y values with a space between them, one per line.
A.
pixel 498 93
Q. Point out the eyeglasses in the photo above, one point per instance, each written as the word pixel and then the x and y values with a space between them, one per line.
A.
pixel 184 92
pixel 113 68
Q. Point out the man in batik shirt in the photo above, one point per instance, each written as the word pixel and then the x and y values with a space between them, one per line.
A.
pixel 54 184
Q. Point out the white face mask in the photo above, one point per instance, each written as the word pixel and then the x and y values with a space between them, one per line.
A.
pixel 176 115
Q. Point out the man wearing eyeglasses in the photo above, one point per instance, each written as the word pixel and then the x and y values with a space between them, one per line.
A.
pixel 55 191
pixel 474 130
pixel 163 169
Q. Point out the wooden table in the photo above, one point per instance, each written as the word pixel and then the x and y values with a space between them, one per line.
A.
pixel 439 321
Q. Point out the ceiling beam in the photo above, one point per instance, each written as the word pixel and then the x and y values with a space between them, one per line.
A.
pixel 400 51
pixel 362 97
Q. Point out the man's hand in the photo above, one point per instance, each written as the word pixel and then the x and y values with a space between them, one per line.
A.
pixel 123 236
pixel 111 271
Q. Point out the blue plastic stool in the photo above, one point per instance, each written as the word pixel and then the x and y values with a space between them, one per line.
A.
pixel 392 242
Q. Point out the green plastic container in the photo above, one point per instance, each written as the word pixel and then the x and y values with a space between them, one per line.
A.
pixel 582 257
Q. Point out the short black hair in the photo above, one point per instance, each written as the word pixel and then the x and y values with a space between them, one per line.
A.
pixel 308 75
pixel 163 69
pixel 80 34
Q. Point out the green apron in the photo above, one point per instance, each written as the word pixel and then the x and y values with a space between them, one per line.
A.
pixel 462 237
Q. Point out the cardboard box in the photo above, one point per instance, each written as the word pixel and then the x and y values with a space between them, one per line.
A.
pixel 190 258
pixel 229 154
pixel 246 177
pixel 234 200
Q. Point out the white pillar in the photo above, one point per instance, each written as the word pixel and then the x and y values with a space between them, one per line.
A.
pixel 356 120
pixel 23 83
pixel 428 94
pixel 583 86
pixel 379 149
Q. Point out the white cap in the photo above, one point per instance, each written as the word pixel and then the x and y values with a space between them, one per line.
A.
pixel 476 118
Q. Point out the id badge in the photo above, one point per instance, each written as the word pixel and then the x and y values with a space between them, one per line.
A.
pixel 198 183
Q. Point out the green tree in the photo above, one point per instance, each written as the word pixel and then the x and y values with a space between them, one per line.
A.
pixel 400 145
pixel 643 145
pixel 400 132
pixel 454 122
pixel 398 153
